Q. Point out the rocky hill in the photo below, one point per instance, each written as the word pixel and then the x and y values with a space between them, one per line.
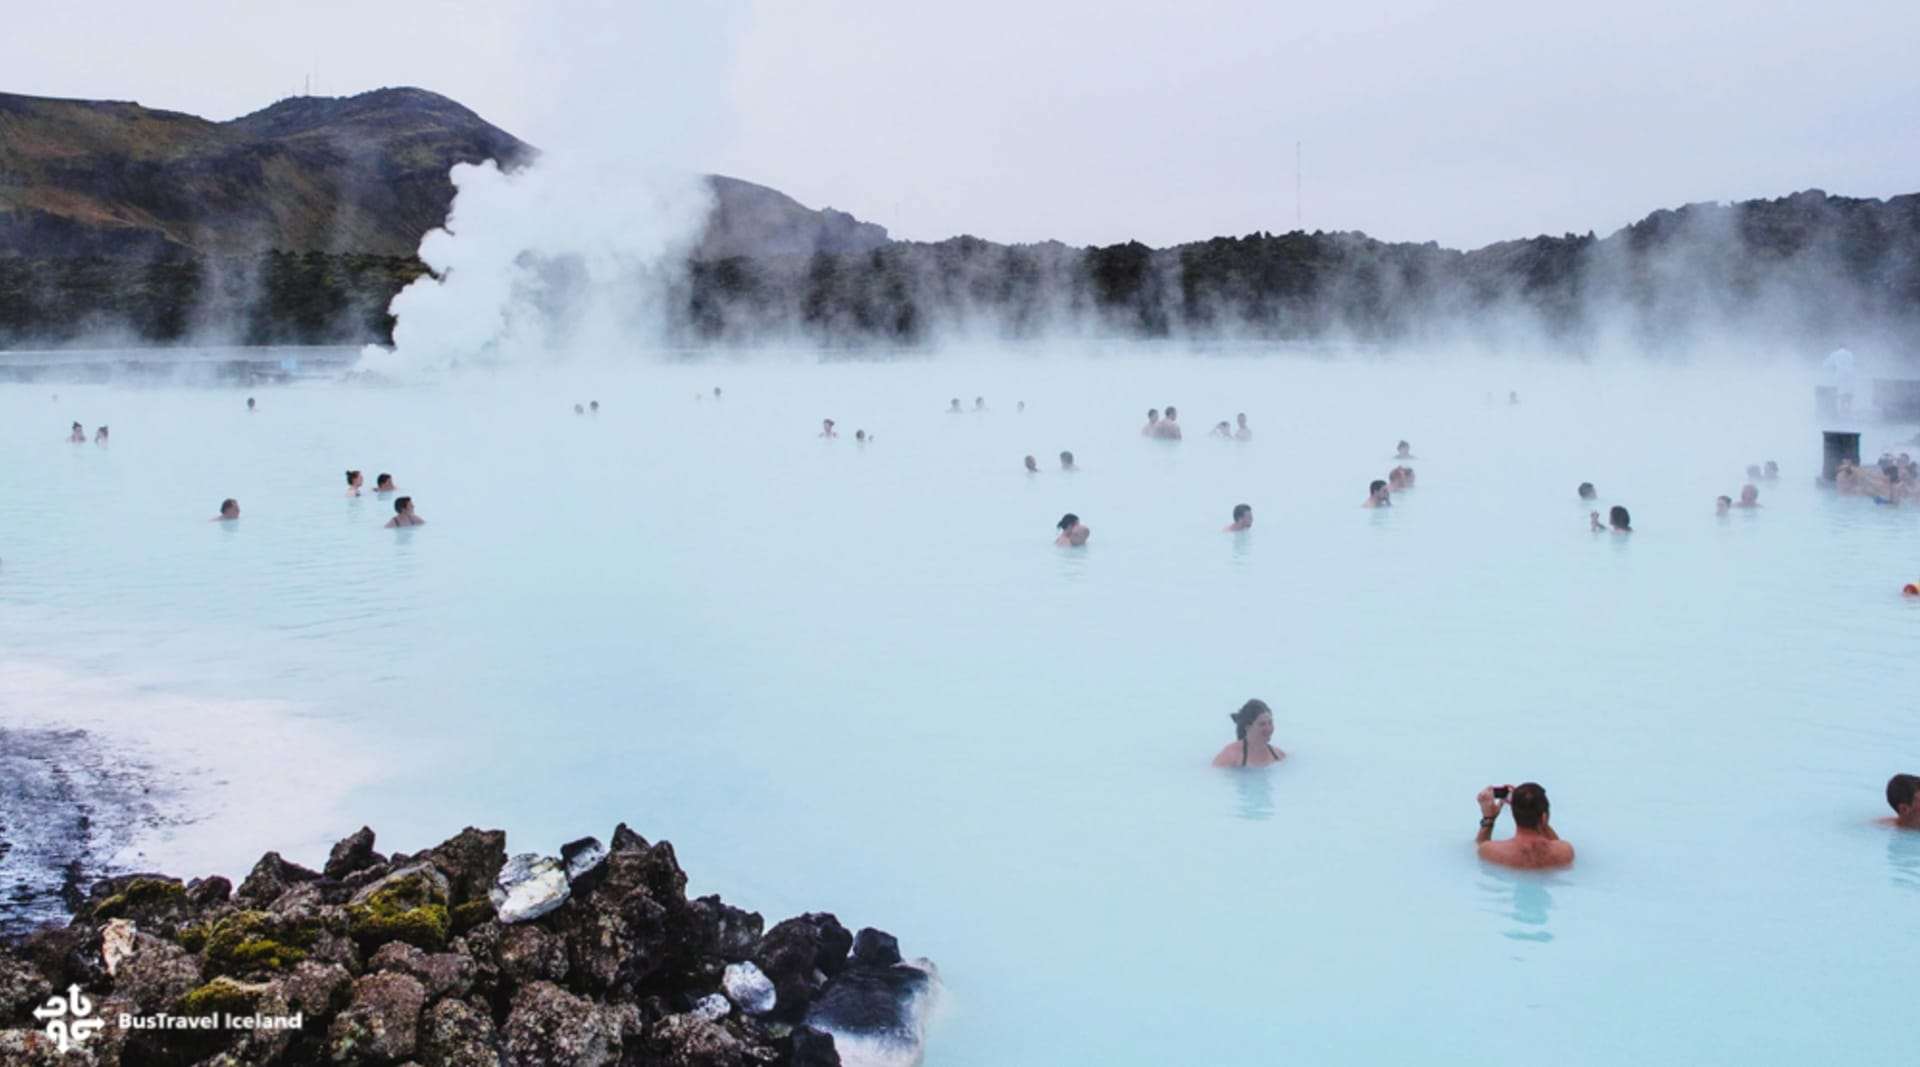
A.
pixel 299 223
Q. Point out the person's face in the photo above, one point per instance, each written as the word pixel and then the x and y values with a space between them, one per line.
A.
pixel 1246 517
pixel 1749 495
pixel 1261 731
pixel 231 511
pixel 1381 493
pixel 1031 464
pixel 1721 505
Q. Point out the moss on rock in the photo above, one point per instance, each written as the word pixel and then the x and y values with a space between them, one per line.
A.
pixel 408 905
pixel 222 996
pixel 139 894
pixel 248 942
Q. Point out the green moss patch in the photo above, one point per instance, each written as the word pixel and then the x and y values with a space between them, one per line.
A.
pixel 221 996
pixel 249 942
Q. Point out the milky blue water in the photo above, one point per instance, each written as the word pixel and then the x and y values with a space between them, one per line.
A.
pixel 862 680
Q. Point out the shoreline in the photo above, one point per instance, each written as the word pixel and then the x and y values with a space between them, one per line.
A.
pixel 107 777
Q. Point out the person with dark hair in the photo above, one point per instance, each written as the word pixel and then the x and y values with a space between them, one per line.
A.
pixel 1397 479
pixel 1223 428
pixel 403 514
pixel 1066 462
pixel 1722 504
pixel 1243 432
pixel 1618 521
pixel 79 435
pixel 1901 789
pixel 979 405
pixel 250 406
pixel 353 483
pixel 859 437
pixel 1586 491
pixel 953 407
pixel 100 436
pixel 1378 495
pixel 826 428
pixel 1152 428
pixel 383 484
pixel 593 406
pixel 1749 497
pixel 229 511
pixel 1073 533
pixel 1242 519
pixel 579 409
pixel 1253 727
pixel 1033 465
pixel 1169 427
pixel 716 392
pixel 1533 845
pixel 1772 472
pixel 1403 451
pixel 1753 472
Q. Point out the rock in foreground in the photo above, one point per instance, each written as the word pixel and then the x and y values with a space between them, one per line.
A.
pixel 453 957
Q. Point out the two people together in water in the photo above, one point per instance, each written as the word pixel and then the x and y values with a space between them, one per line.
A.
pixel 1534 844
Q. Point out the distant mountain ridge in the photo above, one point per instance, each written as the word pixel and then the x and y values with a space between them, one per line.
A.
pixel 299 222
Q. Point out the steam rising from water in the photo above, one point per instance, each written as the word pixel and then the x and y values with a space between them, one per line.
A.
pixel 575 254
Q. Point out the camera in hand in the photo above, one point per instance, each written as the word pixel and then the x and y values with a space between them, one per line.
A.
pixel 1500 792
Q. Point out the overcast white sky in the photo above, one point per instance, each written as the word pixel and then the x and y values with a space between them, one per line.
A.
pixel 1462 122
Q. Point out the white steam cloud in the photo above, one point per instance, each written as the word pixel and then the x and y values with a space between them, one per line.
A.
pixel 572 257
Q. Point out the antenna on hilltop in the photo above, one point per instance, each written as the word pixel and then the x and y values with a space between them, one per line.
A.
pixel 1299 209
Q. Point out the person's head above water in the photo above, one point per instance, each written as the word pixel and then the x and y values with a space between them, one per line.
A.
pixel 1528 804
pixel 353 479
pixel 384 483
pixel 1586 491
pixel 1377 489
pixel 1722 505
pixel 249 403
pixel 403 505
pixel 1618 518
pixel 1242 418
pixel 593 405
pixel 1067 522
pixel 954 404
pixel 1066 460
pixel 1153 414
pixel 1033 465
pixel 1749 496
pixel 1901 790
pixel 1772 469
pixel 1242 517
pixel 1403 450
pixel 1253 718
pixel 860 435
pixel 579 409
pixel 229 508
pixel 1171 414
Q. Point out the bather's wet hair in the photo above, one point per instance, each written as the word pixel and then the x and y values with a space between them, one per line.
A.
pixel 400 505
pixel 1618 518
pixel 1243 719
pixel 384 479
pixel 1528 804
pixel 1586 491
pixel 1376 486
pixel 1901 789
pixel 1068 521
pixel 351 475
pixel 1241 511
pixel 229 503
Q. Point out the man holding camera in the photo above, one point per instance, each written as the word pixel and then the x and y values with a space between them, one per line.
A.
pixel 1534 845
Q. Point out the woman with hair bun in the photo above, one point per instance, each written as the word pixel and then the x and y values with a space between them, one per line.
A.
pixel 1253 725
